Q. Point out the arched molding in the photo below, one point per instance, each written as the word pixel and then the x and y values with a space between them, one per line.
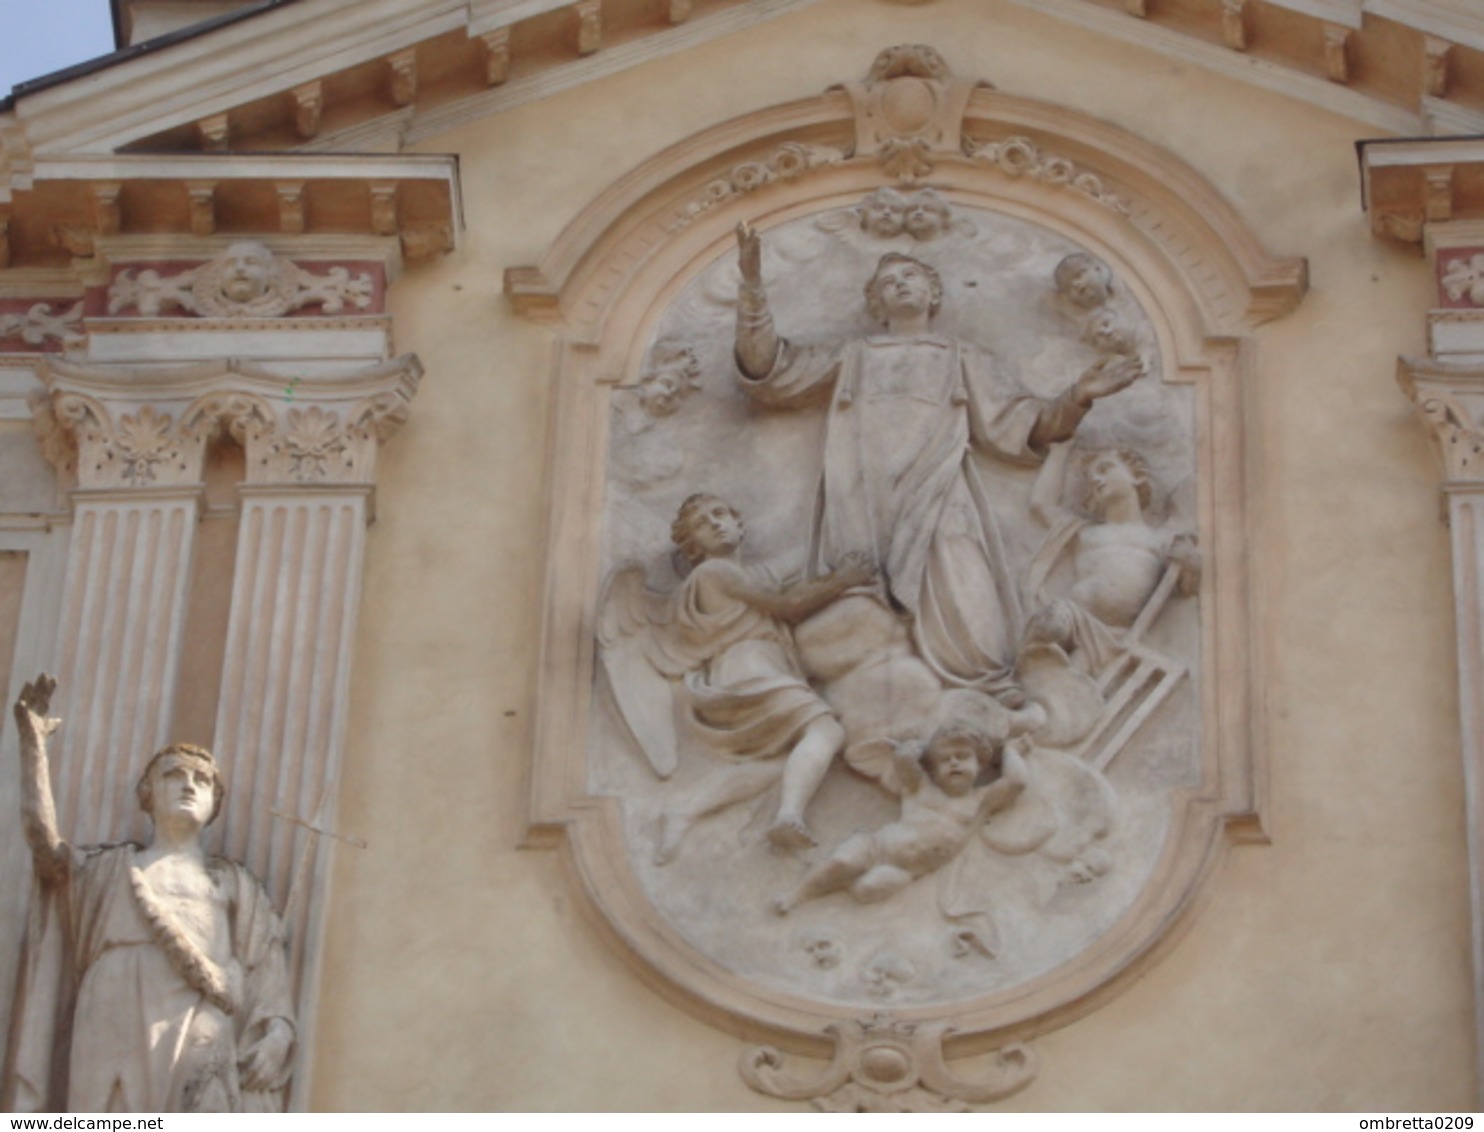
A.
pixel 1205 283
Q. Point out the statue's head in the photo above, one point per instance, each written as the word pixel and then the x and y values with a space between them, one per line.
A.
pixel 182 774
pixel 246 271
pixel 958 753
pixel 1114 470
pixel 901 285
pixel 705 526
pixel 928 215
pixel 884 212
pixel 1083 280
pixel 672 374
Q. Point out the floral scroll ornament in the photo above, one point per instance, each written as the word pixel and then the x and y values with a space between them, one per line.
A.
pixel 888 1066
pixel 245 281
pixel 40 322
pixel 786 163
pixel 1465 279
pixel 1020 157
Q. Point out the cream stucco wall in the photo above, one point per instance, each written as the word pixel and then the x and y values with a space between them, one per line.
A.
pixel 1326 970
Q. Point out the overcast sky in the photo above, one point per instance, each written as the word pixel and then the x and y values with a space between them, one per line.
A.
pixel 41 36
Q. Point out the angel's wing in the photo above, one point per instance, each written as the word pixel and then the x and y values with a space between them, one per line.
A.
pixel 635 646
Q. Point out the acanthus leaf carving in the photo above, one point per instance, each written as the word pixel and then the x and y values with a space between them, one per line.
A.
pixel 884 1065
pixel 143 448
pixel 245 281
pixel 1459 440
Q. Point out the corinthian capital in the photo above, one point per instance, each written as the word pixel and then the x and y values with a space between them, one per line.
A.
pixel 1450 398
pixel 120 427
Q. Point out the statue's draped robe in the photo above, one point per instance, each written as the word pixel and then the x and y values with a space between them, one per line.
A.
pixel 899 483
pixel 746 693
pixel 108 1023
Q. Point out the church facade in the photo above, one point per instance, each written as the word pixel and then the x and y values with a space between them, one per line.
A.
pixel 748 554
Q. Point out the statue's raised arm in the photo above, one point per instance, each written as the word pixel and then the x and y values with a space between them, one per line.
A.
pixel 757 341
pixel 38 809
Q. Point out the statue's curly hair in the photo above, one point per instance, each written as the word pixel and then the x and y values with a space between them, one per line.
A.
pixel 144 789
pixel 683 529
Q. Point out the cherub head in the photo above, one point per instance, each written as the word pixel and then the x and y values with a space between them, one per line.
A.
pixel 1083 281
pixel 673 373
pixel 181 778
pixel 884 212
pixel 706 526
pixel 1106 333
pixel 958 754
pixel 928 215
pixel 903 285
pixel 1114 473
pixel 246 271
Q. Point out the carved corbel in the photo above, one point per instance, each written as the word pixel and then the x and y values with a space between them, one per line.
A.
pixel 203 207
pixel 215 133
pixel 589 15
pixel 889 1066
pixel 290 206
pixel 309 105
pixel 106 214
pixel 1234 24
pixel 1139 8
pixel 4 241
pixel 496 56
pixel 403 73
pixel 1438 192
pixel 75 239
pixel 384 208
pixel 426 240
pixel 1435 58
pixel 678 11
pixel 908 110
pixel 1337 52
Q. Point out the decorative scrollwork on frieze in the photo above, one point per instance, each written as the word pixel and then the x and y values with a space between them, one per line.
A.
pixel 245 281
pixel 41 322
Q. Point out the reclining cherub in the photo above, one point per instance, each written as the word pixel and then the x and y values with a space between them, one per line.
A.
pixel 722 641
pixel 949 789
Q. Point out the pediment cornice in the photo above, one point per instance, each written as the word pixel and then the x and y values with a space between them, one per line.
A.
pixel 326 74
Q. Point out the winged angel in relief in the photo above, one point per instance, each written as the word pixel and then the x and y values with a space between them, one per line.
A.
pixel 724 633
pixel 894 716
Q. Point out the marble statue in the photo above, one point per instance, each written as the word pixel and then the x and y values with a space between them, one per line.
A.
pixel 155 980
pixel 907 407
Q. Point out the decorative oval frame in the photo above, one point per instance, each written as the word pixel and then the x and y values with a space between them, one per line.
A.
pixel 1191 264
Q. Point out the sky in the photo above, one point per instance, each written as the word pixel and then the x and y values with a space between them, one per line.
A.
pixel 41 36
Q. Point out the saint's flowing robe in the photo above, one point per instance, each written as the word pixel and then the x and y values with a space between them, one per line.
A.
pixel 107 1020
pixel 899 483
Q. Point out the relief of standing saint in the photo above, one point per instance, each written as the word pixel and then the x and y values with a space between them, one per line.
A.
pixel 908 408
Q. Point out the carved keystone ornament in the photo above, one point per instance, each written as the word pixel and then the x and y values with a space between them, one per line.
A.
pixel 902 599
